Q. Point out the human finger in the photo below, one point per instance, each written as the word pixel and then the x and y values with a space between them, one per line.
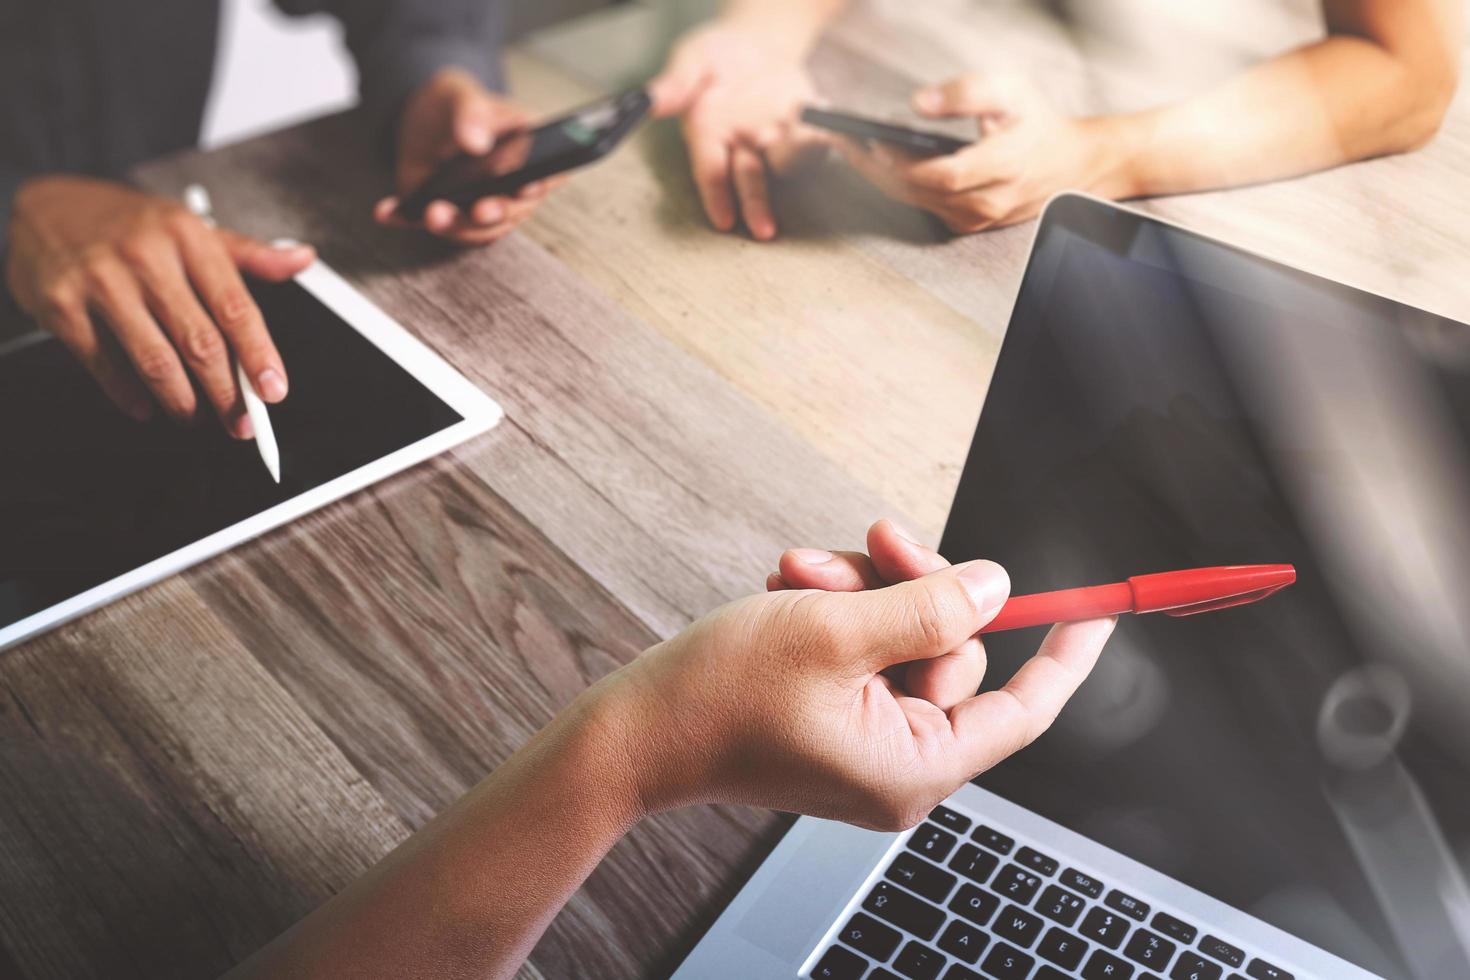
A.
pixel 473 120
pixel 829 571
pixel 195 336
pixel 440 216
pixel 674 90
pixel 921 619
pixel 749 171
pixel 946 680
pixel 995 724
pixel 212 271
pixel 898 555
pixel 709 161
pixel 115 296
pixel 487 211
pixel 967 95
pixel 973 168
pixel 65 316
pixel 271 261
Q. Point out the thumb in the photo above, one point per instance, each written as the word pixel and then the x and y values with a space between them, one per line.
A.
pixel 927 616
pixel 676 87
pixel 474 123
pixel 275 262
pixel 968 95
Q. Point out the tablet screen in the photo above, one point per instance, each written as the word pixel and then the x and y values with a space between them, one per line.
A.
pixel 1162 402
pixel 87 495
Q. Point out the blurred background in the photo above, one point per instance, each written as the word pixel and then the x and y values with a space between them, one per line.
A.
pixel 254 93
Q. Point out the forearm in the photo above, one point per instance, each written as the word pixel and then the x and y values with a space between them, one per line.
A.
pixel 1346 98
pixel 469 894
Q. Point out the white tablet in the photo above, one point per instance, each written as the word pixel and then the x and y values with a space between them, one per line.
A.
pixel 94 506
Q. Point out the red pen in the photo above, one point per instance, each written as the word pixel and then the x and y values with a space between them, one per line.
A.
pixel 1182 593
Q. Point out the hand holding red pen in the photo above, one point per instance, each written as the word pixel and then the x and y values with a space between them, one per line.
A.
pixel 894 556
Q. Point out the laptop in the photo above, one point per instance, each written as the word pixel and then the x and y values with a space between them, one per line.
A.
pixel 1274 791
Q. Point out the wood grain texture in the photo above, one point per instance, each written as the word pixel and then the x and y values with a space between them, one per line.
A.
pixel 188 771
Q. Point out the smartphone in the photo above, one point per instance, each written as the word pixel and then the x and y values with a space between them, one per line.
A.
pixel 915 141
pixel 574 140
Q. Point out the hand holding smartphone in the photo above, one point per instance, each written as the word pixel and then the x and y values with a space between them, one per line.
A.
pixel 517 159
pixel 916 141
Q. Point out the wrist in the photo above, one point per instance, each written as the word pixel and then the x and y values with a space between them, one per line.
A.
pixel 1119 143
pixel 666 754
pixel 599 742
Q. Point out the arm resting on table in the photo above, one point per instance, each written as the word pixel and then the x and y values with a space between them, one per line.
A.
pixel 1379 83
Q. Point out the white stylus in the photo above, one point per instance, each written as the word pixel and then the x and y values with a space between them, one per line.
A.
pixel 196 199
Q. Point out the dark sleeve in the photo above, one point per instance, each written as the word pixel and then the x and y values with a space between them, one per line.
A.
pixel 10 181
pixel 399 44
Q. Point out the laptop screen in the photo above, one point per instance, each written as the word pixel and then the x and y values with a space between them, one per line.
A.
pixel 1165 402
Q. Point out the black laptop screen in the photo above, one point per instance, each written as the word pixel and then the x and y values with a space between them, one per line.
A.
pixel 1163 402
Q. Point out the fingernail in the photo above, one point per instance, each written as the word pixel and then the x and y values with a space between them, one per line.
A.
pixel 244 429
pixel 285 244
pixel 140 410
pixel 271 385
pixel 904 533
pixel 927 99
pixel 987 583
pixel 491 213
pixel 811 556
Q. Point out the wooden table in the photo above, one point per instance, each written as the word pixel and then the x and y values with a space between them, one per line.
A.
pixel 187 772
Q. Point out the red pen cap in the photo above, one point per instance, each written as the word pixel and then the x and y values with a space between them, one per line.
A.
pixel 1198 590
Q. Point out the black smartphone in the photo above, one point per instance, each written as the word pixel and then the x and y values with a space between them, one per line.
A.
pixel 915 141
pixel 574 140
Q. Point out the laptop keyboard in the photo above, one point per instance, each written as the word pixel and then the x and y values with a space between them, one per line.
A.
pixel 962 900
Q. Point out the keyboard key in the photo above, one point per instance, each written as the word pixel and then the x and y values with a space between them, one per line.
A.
pixel 1150 949
pixel 919 962
pixel 1126 904
pixel 1086 884
pixel 973 904
pixel 1005 962
pixel 839 964
pixel 962 941
pixel 867 935
pixel 1104 927
pixel 1017 884
pixel 1106 966
pixel 1018 926
pixel 993 839
pixel 1261 970
pixel 1176 929
pixel 1222 951
pixel 1193 966
pixel 957 972
pixel 974 863
pixel 931 841
pixel 1051 973
pixel 892 904
pixel 1030 858
pixel 882 974
pixel 920 876
pixel 1062 948
pixel 950 820
pixel 1060 905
